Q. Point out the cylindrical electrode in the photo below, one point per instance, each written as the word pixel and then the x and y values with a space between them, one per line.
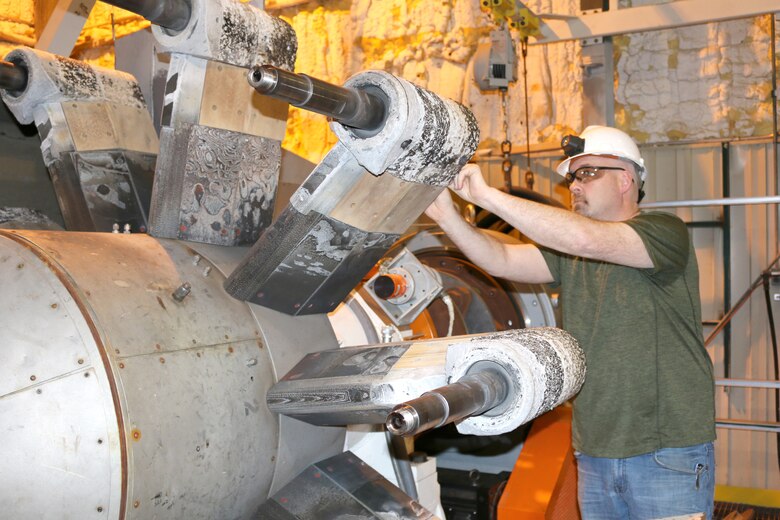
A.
pixel 12 77
pixel 473 394
pixel 351 107
pixel 170 14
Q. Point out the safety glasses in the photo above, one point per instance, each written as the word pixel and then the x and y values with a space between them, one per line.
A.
pixel 589 173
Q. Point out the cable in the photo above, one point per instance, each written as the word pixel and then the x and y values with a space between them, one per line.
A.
pixel 529 174
pixel 766 277
pixel 447 299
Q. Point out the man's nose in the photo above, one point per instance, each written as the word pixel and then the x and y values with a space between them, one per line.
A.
pixel 575 186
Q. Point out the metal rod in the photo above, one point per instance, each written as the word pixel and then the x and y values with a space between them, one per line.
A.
pixel 748 383
pixel 773 334
pixel 399 458
pixel 729 201
pixel 12 77
pixel 356 108
pixel 471 395
pixel 725 156
pixel 757 426
pixel 170 14
pixel 745 297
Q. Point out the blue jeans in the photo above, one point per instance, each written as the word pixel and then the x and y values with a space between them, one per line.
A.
pixel 667 482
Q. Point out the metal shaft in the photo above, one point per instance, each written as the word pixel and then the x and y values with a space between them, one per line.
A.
pixel 12 77
pixel 471 395
pixel 170 14
pixel 351 107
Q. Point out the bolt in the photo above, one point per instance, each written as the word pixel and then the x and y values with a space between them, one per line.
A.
pixel 100 441
pixel 115 228
pixel 126 229
pixel 195 260
pixel 181 291
pixel 100 509
pixel 251 362
pixel 206 271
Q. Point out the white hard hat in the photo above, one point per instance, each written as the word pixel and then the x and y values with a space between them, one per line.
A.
pixel 605 140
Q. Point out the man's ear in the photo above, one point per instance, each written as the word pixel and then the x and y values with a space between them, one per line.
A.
pixel 626 180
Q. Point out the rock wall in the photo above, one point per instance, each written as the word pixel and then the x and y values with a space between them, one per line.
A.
pixel 707 81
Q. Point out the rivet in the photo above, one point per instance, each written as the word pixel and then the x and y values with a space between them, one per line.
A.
pixel 136 434
pixel 100 509
pixel 121 365
pixel 81 361
pixel 32 378
pixel 39 391
pixel 136 504
pixel 100 441
pixel 53 305
pixel 86 374
pixel 162 360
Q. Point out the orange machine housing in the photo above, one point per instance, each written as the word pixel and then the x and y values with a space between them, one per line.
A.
pixel 543 484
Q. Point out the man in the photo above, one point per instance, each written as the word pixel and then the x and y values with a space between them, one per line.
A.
pixel 643 422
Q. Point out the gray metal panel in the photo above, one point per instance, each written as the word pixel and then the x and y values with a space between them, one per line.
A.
pixel 59 432
pixel 59 447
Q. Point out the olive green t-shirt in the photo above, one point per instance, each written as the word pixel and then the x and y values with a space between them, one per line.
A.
pixel 649 382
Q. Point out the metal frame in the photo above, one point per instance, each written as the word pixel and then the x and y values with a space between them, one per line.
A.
pixel 649 18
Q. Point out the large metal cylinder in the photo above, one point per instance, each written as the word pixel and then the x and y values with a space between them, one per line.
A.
pixel 123 395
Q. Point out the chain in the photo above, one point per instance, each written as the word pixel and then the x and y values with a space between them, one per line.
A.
pixel 529 174
pixel 506 145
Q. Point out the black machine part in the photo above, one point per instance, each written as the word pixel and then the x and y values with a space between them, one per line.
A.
pixel 13 77
pixel 356 108
pixel 173 15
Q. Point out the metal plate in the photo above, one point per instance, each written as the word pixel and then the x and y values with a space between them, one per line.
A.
pixel 199 434
pixel 105 126
pixel 59 447
pixel 62 452
pixel 230 103
pixel 30 326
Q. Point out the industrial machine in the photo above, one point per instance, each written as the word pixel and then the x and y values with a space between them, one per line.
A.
pixel 179 374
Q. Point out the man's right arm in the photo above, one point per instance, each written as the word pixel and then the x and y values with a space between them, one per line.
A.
pixel 515 262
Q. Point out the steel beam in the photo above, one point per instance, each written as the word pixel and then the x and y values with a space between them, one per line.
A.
pixel 64 26
pixel 650 18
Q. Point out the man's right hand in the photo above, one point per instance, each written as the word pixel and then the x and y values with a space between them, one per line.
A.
pixel 470 185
